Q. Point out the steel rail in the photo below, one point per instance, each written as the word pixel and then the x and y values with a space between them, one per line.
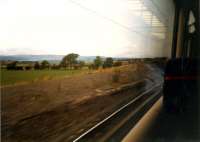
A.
pixel 116 113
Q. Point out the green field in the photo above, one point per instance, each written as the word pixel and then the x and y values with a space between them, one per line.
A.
pixel 9 77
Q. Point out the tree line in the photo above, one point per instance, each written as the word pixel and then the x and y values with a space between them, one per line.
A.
pixel 70 62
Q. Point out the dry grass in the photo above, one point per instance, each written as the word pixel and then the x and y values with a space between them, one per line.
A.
pixel 48 109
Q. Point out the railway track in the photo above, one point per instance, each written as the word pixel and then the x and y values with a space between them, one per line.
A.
pixel 119 123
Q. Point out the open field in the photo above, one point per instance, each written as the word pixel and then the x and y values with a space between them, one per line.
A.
pixel 10 77
pixel 61 109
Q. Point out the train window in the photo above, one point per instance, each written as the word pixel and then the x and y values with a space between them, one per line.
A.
pixel 87 70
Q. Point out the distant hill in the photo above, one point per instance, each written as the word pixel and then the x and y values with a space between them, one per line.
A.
pixel 30 57
pixel 53 58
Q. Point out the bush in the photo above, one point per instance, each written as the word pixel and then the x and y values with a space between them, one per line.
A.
pixel 45 64
pixel 12 66
pixel 108 63
pixel 37 66
pixel 97 62
pixel 92 67
pixel 55 67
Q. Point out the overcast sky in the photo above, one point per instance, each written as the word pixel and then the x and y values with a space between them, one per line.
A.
pixel 86 27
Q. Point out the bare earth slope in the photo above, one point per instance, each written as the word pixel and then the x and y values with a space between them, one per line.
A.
pixel 60 110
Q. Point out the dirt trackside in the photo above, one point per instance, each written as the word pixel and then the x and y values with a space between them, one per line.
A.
pixel 62 109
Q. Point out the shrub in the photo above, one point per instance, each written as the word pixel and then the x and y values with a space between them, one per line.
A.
pixel 45 64
pixel 108 63
pixel 97 62
pixel 37 66
pixel 12 66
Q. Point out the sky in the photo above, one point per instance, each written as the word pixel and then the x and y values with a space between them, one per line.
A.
pixel 86 27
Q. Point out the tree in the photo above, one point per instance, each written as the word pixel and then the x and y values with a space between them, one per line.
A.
pixel 81 64
pixel 45 64
pixel 12 65
pixel 37 66
pixel 91 66
pixel 108 63
pixel 69 60
pixel 98 62
pixel 55 67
